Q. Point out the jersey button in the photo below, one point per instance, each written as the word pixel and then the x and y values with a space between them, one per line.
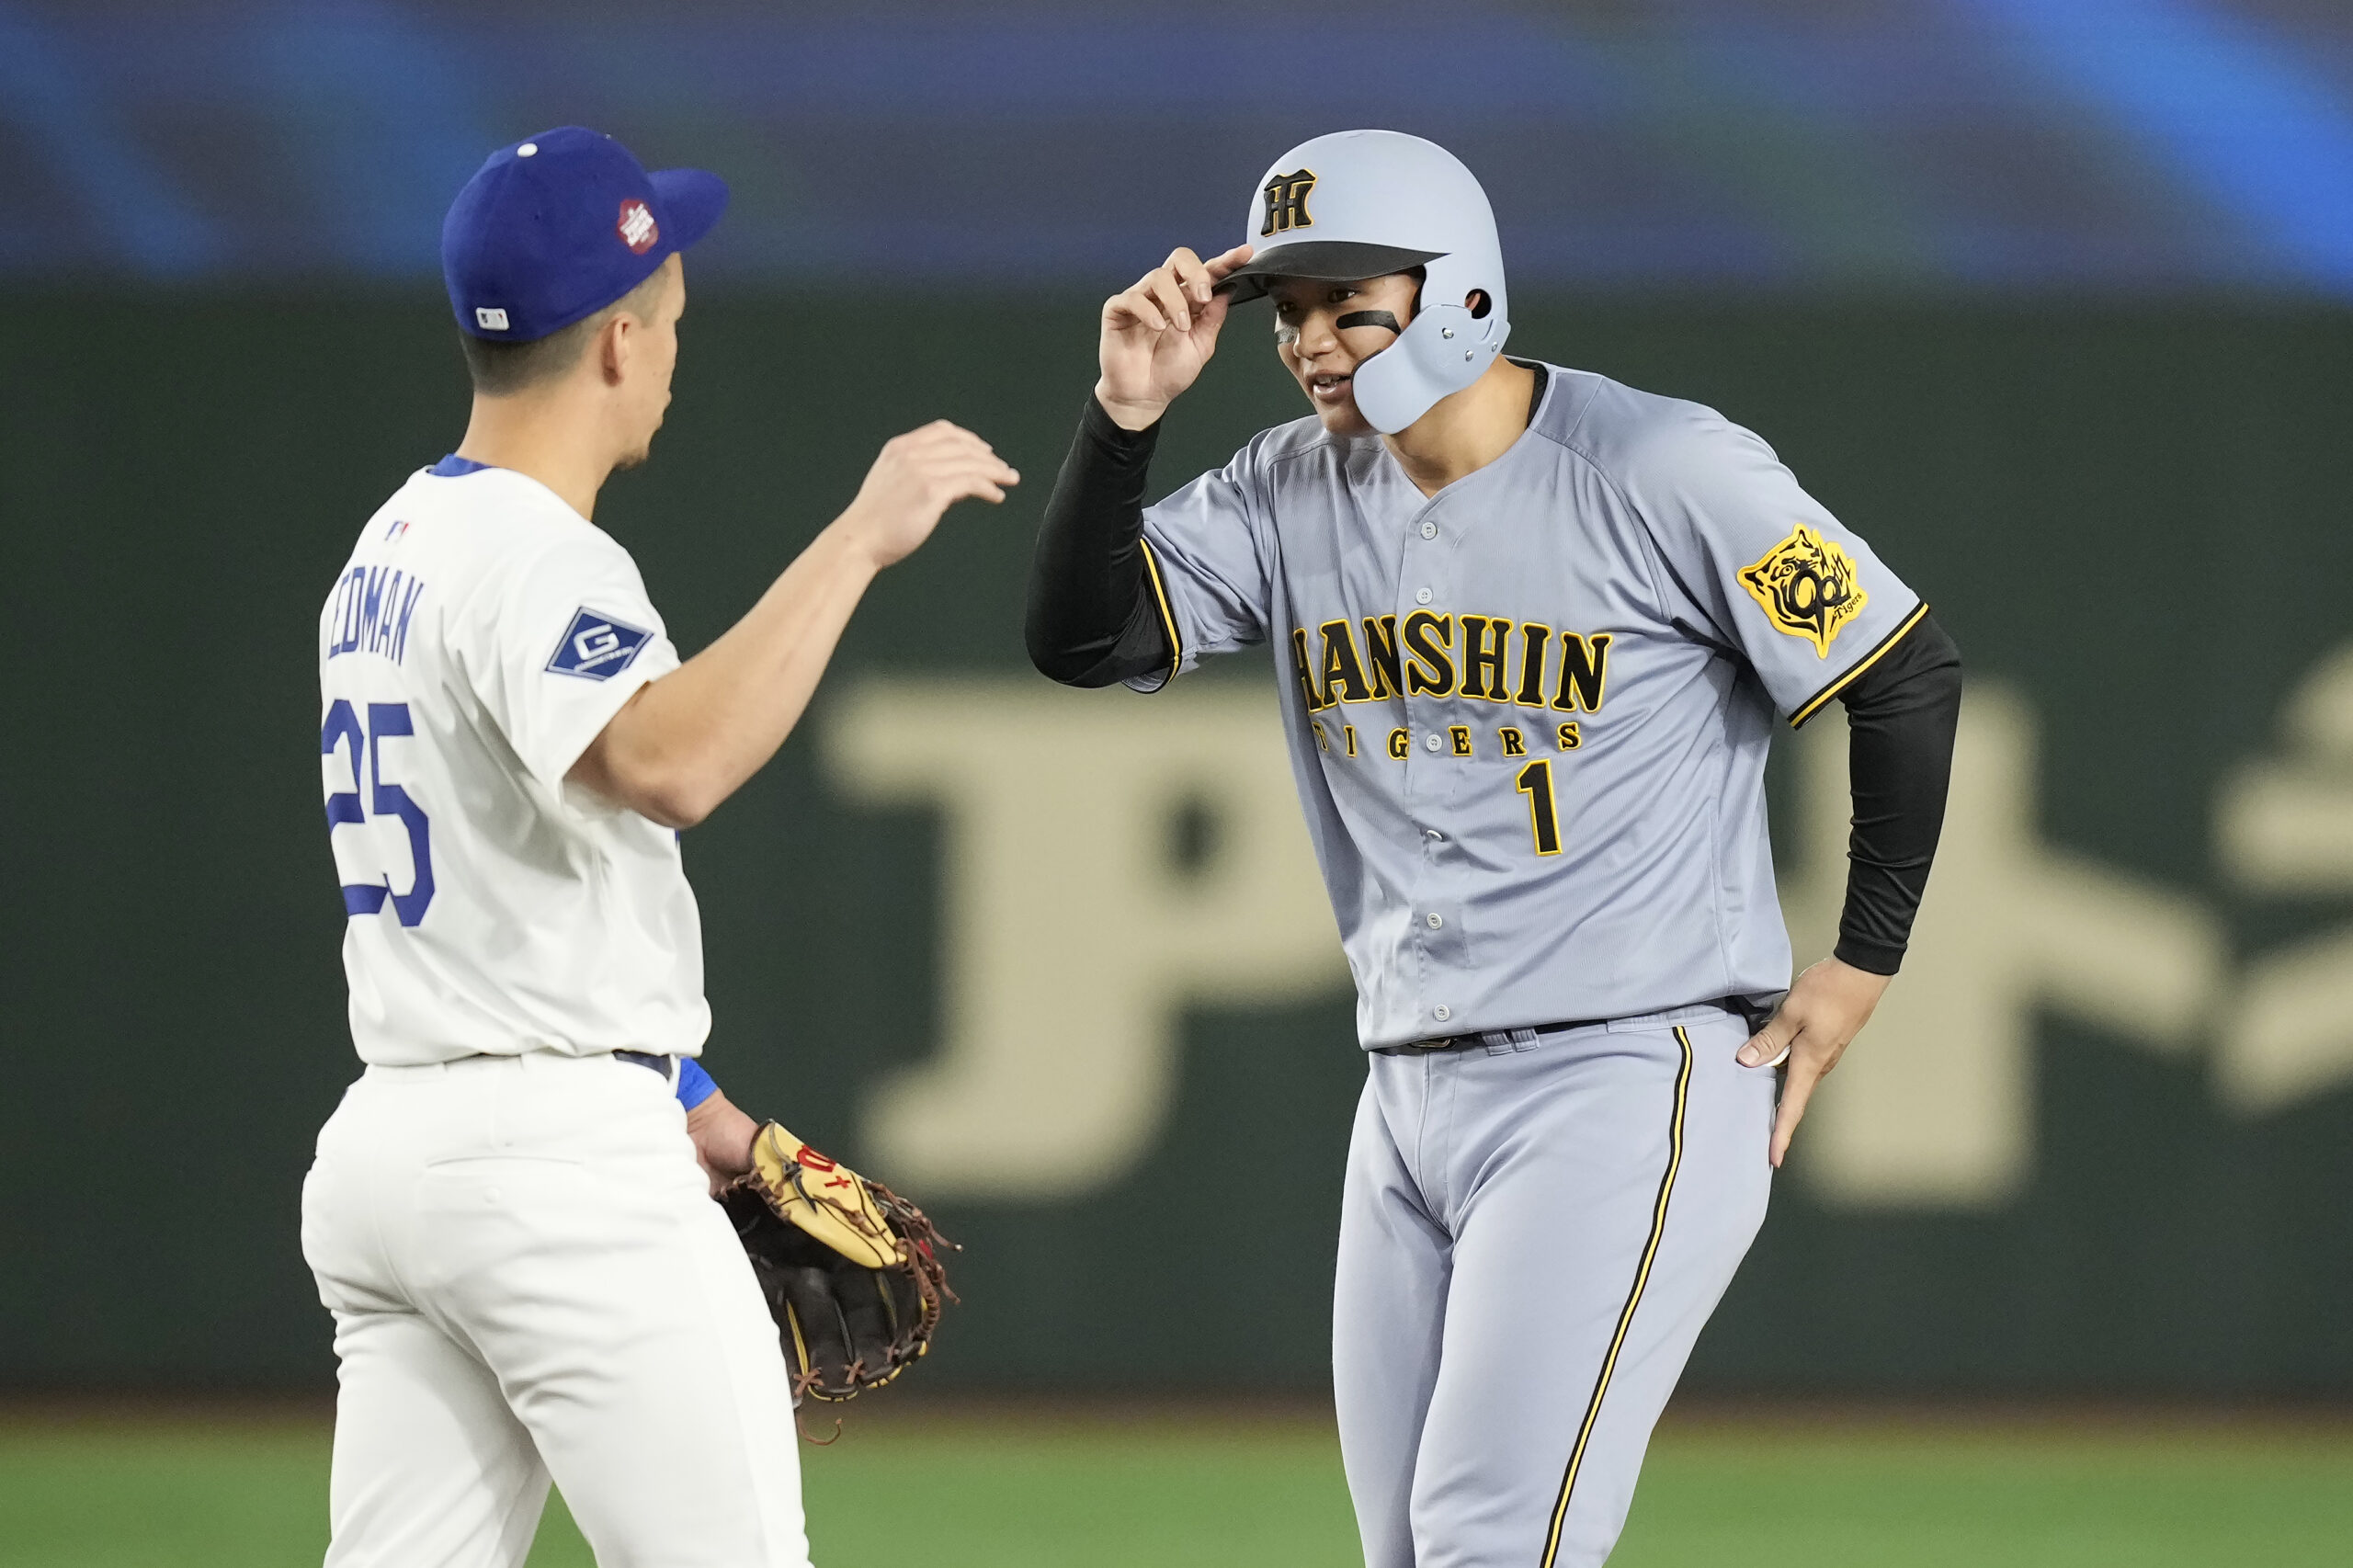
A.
pixel 1441 1012
pixel 1431 742
pixel 1423 597
pixel 1436 919
pixel 1430 530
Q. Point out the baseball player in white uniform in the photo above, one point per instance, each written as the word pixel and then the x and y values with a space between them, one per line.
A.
pixel 508 1214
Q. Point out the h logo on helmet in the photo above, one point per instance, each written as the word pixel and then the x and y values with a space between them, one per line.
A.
pixel 1286 203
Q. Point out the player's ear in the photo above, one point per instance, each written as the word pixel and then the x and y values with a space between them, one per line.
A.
pixel 616 346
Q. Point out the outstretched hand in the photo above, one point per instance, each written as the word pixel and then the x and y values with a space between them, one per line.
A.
pixel 1158 335
pixel 916 479
pixel 1811 1028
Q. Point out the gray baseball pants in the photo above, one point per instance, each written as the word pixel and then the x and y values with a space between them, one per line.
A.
pixel 1532 1234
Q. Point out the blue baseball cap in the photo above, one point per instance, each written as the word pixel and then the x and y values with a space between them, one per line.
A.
pixel 552 229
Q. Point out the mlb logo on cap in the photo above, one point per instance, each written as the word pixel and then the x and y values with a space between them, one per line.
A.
pixel 553 230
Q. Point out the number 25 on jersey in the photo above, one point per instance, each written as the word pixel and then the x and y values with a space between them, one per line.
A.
pixel 343 734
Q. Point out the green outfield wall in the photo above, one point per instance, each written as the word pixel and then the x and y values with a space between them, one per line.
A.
pixel 1056 961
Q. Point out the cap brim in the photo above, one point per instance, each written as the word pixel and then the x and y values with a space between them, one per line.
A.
pixel 692 200
pixel 1335 261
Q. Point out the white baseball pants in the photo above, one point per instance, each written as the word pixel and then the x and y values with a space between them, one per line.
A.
pixel 529 1281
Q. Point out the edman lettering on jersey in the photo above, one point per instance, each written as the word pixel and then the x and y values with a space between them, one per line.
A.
pixel 1484 658
pixel 372 606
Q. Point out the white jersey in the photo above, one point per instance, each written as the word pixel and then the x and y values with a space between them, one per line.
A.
pixel 481 636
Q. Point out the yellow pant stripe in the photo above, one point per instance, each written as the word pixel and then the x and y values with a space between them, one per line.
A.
pixel 1634 1300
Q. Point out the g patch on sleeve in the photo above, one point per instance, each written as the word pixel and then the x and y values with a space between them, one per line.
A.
pixel 597 647
pixel 1807 588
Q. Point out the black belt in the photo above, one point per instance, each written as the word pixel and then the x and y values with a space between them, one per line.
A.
pixel 646 1059
pixel 1526 1034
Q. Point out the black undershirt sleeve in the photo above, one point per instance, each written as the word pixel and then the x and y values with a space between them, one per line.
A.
pixel 1093 618
pixel 1901 715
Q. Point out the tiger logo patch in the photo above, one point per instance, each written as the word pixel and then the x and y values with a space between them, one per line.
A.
pixel 1807 588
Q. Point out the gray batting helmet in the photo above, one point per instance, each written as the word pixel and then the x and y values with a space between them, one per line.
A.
pixel 1365 203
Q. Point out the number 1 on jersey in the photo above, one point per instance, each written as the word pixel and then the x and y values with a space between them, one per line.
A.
pixel 1544 816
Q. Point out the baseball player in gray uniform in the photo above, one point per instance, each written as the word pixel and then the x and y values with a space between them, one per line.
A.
pixel 1538 629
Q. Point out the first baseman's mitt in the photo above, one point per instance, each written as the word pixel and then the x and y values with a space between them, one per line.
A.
pixel 850 1270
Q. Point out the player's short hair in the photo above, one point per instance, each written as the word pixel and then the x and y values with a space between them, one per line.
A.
pixel 501 370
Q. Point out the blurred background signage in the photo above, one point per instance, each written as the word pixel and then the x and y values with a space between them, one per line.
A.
pixel 2046 297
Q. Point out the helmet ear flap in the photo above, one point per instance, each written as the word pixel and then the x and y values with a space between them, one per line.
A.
pixel 1443 349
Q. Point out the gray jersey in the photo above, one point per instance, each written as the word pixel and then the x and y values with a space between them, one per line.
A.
pixel 1529 717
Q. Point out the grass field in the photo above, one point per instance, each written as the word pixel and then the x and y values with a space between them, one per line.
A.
pixel 1039 1488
